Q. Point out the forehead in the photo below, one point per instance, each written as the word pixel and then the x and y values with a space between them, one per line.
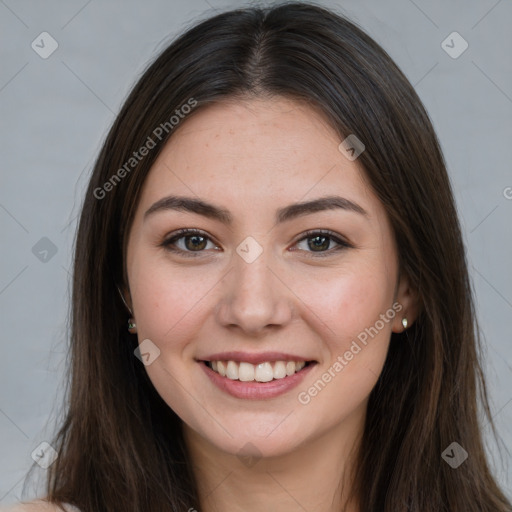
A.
pixel 255 151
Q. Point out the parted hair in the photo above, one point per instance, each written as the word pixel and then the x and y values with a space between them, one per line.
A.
pixel 120 446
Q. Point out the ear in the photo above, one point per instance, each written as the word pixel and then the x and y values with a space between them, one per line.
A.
pixel 126 297
pixel 407 297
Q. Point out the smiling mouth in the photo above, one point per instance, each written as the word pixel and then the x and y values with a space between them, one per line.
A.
pixel 262 372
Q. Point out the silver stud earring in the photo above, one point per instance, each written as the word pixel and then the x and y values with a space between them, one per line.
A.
pixel 404 322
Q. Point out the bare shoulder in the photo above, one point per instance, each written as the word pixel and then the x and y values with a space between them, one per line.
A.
pixel 37 506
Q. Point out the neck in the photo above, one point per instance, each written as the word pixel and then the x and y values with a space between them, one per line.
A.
pixel 317 475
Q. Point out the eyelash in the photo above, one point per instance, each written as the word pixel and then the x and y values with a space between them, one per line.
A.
pixel 183 233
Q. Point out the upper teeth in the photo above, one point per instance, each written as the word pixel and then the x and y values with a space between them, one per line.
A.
pixel 263 372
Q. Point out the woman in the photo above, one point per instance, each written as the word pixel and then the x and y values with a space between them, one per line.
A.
pixel 271 303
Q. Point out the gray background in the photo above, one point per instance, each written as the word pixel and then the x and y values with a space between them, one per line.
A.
pixel 56 111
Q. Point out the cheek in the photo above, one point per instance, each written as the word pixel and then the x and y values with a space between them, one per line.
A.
pixel 355 310
pixel 167 300
pixel 168 309
pixel 356 355
pixel 346 302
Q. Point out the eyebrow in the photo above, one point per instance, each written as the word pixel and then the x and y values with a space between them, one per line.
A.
pixel 292 211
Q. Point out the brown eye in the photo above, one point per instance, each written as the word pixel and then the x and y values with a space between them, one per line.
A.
pixel 319 242
pixel 190 242
pixel 195 242
pixel 187 242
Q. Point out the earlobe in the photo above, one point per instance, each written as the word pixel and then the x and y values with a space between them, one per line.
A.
pixel 125 297
pixel 132 326
pixel 407 297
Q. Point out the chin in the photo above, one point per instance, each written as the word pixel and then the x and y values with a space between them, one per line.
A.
pixel 272 435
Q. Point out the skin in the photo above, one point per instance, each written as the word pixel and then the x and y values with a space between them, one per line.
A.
pixel 252 157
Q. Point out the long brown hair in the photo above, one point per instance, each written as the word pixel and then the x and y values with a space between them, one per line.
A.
pixel 120 446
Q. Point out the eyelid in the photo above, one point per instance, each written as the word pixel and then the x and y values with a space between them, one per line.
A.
pixel 168 242
pixel 183 232
pixel 337 238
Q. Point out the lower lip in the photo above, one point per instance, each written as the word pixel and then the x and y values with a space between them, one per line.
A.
pixel 256 390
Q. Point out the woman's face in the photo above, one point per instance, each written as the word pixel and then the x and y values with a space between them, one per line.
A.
pixel 253 288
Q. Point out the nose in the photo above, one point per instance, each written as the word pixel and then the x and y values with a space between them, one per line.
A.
pixel 255 298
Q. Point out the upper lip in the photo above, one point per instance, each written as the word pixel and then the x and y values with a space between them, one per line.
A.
pixel 254 358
